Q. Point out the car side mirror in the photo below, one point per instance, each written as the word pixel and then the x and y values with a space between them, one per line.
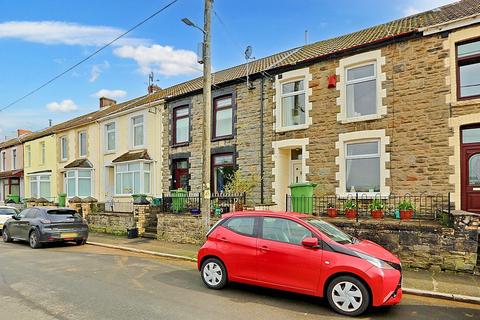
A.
pixel 15 217
pixel 310 242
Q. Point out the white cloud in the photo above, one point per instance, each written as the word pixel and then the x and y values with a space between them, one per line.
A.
pixel 416 6
pixel 164 60
pixel 110 93
pixel 57 32
pixel 97 69
pixel 64 106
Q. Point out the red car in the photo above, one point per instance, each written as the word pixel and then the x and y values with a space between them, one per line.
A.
pixel 303 254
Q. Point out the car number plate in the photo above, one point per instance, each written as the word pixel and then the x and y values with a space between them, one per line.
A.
pixel 69 235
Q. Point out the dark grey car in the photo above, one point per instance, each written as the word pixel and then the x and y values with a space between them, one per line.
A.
pixel 39 225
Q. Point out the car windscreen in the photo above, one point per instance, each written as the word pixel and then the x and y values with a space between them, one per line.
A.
pixel 8 211
pixel 330 230
pixel 63 215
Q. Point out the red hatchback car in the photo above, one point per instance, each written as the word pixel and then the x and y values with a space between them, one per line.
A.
pixel 303 254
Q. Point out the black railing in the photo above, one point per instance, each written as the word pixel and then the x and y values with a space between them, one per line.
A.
pixel 227 202
pixel 181 203
pixel 429 207
pixel 120 206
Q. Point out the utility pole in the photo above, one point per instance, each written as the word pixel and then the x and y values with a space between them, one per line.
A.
pixel 207 107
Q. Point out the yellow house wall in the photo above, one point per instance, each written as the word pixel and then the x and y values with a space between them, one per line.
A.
pixel 36 164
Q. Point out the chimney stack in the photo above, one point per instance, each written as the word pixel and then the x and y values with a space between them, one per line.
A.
pixel 153 88
pixel 106 102
pixel 21 132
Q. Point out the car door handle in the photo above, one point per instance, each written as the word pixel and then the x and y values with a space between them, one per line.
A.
pixel 264 249
pixel 224 239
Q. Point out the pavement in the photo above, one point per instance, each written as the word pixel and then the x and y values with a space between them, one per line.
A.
pixel 449 285
pixel 68 282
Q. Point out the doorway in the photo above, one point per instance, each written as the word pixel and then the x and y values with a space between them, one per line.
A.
pixel 180 177
pixel 470 169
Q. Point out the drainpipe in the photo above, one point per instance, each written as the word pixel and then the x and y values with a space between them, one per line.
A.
pixel 262 185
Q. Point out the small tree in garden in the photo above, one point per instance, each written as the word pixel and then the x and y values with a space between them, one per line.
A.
pixel 241 184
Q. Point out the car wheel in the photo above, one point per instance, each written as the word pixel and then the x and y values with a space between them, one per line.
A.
pixel 6 236
pixel 80 242
pixel 214 274
pixel 34 239
pixel 348 296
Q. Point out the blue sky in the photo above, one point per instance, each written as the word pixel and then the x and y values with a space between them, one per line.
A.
pixel 39 39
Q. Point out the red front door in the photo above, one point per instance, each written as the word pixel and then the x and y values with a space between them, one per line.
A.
pixel 470 169
pixel 180 174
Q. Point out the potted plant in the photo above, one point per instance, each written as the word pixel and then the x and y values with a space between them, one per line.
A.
pixel 331 210
pixel 406 209
pixel 376 208
pixel 350 208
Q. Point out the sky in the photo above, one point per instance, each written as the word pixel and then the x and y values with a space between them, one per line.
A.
pixel 42 38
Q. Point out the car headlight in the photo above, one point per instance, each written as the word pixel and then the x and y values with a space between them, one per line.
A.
pixel 376 262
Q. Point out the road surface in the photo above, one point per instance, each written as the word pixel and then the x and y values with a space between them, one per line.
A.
pixel 87 282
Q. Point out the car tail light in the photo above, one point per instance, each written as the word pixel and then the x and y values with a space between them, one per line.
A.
pixel 45 221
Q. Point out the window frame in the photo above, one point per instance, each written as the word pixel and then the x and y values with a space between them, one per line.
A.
pixel 213 166
pixel 77 179
pixel 4 161
pixel 141 173
pixel 106 133
pixel 28 152
pixel 292 94
pixel 132 130
pixel 175 118
pixel 38 180
pixel 80 134
pixel 63 143
pixel 43 153
pixel 462 61
pixel 363 156
pixel 216 109
pixel 357 81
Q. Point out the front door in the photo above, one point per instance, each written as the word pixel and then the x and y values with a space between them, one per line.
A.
pixel 296 171
pixel 180 174
pixel 470 169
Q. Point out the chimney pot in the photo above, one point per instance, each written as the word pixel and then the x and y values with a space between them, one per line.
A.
pixel 152 88
pixel 106 102
pixel 21 132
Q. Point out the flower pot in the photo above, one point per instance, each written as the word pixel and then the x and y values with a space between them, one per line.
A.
pixel 406 214
pixel 238 206
pixel 350 213
pixel 377 214
pixel 195 212
pixel 332 212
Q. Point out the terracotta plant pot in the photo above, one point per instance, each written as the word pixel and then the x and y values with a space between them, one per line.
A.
pixel 406 214
pixel 332 212
pixel 350 213
pixel 377 214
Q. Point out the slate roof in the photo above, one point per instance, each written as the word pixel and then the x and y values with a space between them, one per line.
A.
pixel 133 155
pixel 321 49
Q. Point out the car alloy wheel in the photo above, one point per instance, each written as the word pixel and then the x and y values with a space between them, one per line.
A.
pixel 348 296
pixel 34 239
pixel 6 236
pixel 214 274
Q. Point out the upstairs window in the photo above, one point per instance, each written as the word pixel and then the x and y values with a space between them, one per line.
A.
pixel 82 144
pixel 293 103
pixel 4 161
pixel 28 151
pixel 43 153
pixel 468 69
pixel 181 125
pixel 138 131
pixel 222 117
pixel 14 159
pixel 110 137
pixel 361 91
pixel 63 148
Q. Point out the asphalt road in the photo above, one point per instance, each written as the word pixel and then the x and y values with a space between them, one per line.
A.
pixel 69 282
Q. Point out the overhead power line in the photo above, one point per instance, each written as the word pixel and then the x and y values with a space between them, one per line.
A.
pixel 88 57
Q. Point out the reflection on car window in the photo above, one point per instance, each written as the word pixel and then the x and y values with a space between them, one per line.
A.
pixel 243 225
pixel 8 211
pixel 284 230
pixel 23 213
pixel 330 230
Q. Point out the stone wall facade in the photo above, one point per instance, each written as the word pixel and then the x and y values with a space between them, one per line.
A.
pixel 182 228
pixel 114 223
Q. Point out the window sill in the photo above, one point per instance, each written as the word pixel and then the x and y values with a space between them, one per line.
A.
pixel 109 152
pixel 182 144
pixel 465 102
pixel 229 137
pixel 364 195
pixel 361 118
pixel 291 128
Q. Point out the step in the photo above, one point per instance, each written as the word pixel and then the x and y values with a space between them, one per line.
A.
pixel 149 235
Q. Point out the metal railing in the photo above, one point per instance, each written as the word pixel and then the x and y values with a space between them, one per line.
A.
pixel 181 203
pixel 428 207
pixel 227 202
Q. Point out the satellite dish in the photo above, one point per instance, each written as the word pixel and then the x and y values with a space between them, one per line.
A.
pixel 248 52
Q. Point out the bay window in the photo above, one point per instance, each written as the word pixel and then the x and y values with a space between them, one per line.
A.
pixel 361 91
pixel 78 183
pixel 181 125
pixel 40 186
pixel 132 178
pixel 138 131
pixel 468 69
pixel 110 137
pixel 293 103
pixel 362 166
pixel 222 117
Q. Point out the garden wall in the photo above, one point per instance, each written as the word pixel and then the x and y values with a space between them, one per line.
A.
pixel 182 228
pixel 114 223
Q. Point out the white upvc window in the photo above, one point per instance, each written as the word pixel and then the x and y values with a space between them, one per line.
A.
pixel 78 183
pixel 4 161
pixel 360 85
pixel 14 159
pixel 138 132
pixel 82 144
pixel 132 178
pixel 110 137
pixel 43 152
pixel 362 163
pixel 40 186
pixel 292 104
pixel 63 148
pixel 28 154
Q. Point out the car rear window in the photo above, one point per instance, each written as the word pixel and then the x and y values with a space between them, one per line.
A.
pixel 8 211
pixel 57 215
